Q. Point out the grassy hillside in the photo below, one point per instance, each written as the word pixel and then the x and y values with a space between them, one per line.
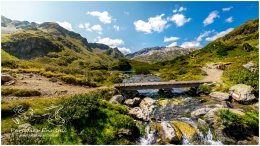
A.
pixel 238 48
pixel 86 119
pixel 53 51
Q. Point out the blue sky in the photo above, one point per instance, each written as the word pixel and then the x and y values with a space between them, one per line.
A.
pixel 132 26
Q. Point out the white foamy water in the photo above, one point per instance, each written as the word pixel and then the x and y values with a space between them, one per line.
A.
pixel 148 138
pixel 209 139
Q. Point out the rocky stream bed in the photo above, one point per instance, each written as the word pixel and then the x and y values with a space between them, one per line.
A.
pixel 182 118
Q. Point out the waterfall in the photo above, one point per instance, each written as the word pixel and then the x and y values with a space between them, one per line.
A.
pixel 209 139
pixel 185 140
pixel 148 138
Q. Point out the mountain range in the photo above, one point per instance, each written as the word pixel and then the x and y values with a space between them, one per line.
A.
pixel 50 43
pixel 159 54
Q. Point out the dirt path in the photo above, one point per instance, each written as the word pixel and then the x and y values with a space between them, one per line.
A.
pixel 47 87
pixel 214 75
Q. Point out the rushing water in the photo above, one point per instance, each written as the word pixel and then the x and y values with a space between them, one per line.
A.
pixel 167 109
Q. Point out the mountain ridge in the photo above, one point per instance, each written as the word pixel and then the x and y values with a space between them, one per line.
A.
pixel 159 54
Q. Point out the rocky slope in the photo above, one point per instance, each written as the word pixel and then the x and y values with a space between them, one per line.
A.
pixel 49 43
pixel 159 54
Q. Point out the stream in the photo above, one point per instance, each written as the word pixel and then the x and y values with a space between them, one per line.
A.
pixel 176 108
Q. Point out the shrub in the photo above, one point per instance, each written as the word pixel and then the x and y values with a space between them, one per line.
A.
pixel 238 126
pixel 142 70
pixel 205 89
pixel 8 110
pixel 20 92
pixel 122 65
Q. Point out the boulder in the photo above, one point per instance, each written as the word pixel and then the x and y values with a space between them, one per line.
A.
pixel 200 112
pixel 167 133
pixel 186 129
pixel 242 93
pixel 220 96
pixel 117 99
pixel 133 102
pixel 250 66
pixel 202 122
pixel 6 78
pixel 139 113
pixel 143 111
pixel 146 102
pixel 214 106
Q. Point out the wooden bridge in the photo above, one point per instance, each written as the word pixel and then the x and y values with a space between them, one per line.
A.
pixel 158 85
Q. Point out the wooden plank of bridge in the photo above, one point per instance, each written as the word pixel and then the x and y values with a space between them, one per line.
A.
pixel 153 85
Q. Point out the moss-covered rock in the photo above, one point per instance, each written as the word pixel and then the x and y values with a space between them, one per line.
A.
pixel 185 128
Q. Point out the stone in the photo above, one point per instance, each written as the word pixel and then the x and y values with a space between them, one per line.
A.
pixel 256 139
pixel 124 132
pixel 185 128
pixel 250 66
pixel 220 96
pixel 200 112
pixel 117 99
pixel 242 142
pixel 214 106
pixel 139 113
pixel 202 122
pixel 146 102
pixel 133 102
pixel 242 93
pixel 6 78
pixel 168 133
pixel 226 104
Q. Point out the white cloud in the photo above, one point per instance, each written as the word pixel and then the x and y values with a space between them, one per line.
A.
pixel 124 50
pixel 193 44
pixel 97 28
pixel 172 44
pixel 110 42
pixel 229 19
pixel 179 10
pixel 65 25
pixel 104 16
pixel 94 28
pixel 220 34
pixel 179 19
pixel 210 19
pixel 156 23
pixel 227 9
pixel 170 39
pixel 203 35
pixel 116 27
pixel 81 25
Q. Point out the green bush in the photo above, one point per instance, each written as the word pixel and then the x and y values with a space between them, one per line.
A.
pixel 122 65
pixel 9 110
pixel 142 70
pixel 20 92
pixel 96 121
pixel 238 126
pixel 205 89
